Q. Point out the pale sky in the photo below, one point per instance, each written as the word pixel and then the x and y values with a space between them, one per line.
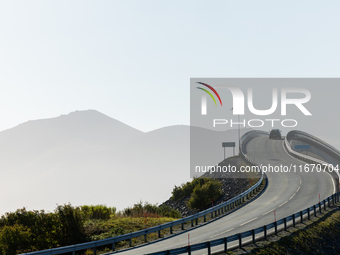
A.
pixel 133 60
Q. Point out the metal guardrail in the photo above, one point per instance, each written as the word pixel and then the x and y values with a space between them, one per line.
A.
pixel 274 226
pixel 300 134
pixel 213 210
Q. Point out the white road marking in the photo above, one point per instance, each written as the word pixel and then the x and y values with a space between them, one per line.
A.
pixel 292 196
pixel 248 221
pixel 222 232
pixel 268 212
pixel 282 204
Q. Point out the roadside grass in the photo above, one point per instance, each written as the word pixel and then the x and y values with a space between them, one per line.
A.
pixel 321 237
pixel 318 236
pixel 119 225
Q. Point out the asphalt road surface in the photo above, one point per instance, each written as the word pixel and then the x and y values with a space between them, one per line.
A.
pixel 287 193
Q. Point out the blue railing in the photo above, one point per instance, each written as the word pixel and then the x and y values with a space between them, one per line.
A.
pixel 285 222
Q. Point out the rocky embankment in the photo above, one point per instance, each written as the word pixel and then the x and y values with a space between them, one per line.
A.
pixel 233 183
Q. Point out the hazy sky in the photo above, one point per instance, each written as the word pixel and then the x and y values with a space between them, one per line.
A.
pixel 133 60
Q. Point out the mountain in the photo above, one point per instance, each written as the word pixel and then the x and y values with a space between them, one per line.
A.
pixel 86 157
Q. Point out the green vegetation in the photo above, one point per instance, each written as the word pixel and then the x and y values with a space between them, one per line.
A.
pixel 201 190
pixel 98 211
pixel 24 231
pixel 202 195
pixel 138 210
pixel 33 230
pixel 320 237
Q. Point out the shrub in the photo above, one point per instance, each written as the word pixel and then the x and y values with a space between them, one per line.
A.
pixel 14 239
pixel 70 225
pixel 139 210
pixel 202 195
pixel 43 226
pixel 180 192
pixel 98 211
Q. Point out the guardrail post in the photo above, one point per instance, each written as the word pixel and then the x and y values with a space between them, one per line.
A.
pixel 192 223
pixel 225 245
pixel 204 218
pixel 196 222
pixel 253 234
pixel 168 252
pixel 314 207
pixel 240 241
pixel 212 215
pixel 301 217
pixel 308 211
pixel 130 242
pixel 113 247
pixel 145 238
pixel 265 232
pixel 182 227
pixel 219 212
pixel 94 251
pixel 275 225
pixel 159 234
pixel 333 199
pixel 215 213
pixel 320 207
pixel 209 248
pixel 73 253
pixel 324 204
pixel 293 216
pixel 285 223
pixel 329 203
pixel 171 230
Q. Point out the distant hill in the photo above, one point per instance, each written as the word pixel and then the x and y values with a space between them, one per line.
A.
pixel 86 157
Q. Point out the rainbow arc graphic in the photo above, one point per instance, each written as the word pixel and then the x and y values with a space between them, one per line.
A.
pixel 204 101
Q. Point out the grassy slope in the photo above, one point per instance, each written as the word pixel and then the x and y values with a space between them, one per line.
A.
pixel 320 237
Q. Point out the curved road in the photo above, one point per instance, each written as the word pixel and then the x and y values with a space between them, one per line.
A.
pixel 287 193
